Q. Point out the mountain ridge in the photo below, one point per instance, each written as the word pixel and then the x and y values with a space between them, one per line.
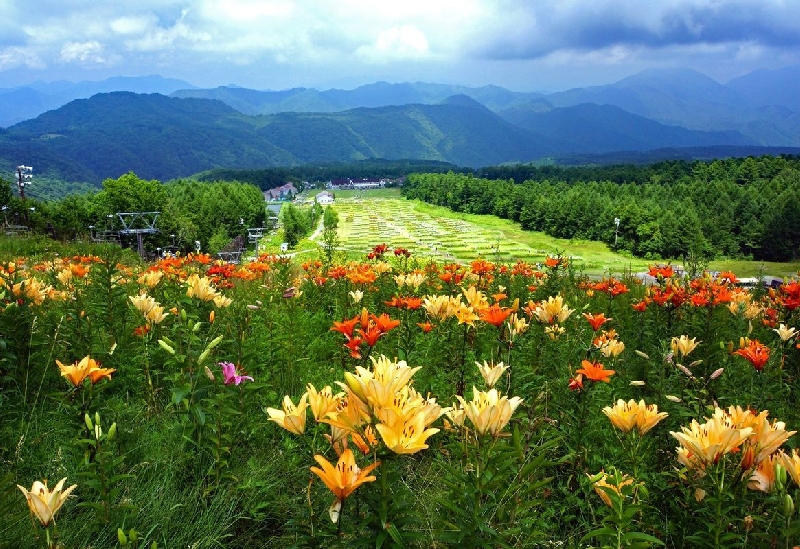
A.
pixel 161 137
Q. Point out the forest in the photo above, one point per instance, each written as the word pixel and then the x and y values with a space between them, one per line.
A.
pixel 744 207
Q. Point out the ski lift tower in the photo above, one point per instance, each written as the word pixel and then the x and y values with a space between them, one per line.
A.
pixel 138 224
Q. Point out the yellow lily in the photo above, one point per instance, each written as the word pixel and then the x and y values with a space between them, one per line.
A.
pixel 323 401
pixel 704 444
pixel 491 372
pixel 44 503
pixel 149 307
pixel 683 345
pixel 292 418
pixel 488 411
pixel 406 437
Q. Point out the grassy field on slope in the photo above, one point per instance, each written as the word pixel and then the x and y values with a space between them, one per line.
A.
pixel 367 218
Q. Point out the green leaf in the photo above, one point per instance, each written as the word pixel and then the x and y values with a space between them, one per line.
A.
pixel 180 392
pixel 398 539
pixel 642 537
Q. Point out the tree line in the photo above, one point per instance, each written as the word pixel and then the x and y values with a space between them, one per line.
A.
pixel 745 207
pixel 211 213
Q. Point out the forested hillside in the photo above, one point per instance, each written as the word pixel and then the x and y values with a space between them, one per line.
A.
pixel 164 138
pixel 739 207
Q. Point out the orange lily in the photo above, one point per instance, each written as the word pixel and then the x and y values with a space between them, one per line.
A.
pixel 495 314
pixel 343 478
pixel 595 371
pixel 595 321
pixel 755 352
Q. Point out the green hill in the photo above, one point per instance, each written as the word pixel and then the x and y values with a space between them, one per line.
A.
pixel 160 137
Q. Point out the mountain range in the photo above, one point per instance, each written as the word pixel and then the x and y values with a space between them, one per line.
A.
pixel 162 128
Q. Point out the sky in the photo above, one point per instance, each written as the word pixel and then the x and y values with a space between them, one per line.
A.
pixel 522 45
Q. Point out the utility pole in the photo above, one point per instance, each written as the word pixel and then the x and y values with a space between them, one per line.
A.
pixel 24 177
pixel 616 231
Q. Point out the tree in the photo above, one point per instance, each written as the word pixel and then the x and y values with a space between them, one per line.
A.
pixel 330 237
pixel 130 194
pixel 295 224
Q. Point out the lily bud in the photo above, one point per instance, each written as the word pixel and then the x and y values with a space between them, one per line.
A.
pixel 164 345
pixel 354 386
pixel 88 422
pixel 112 431
pixel 216 341
pixel 788 506
pixel 716 373
pixel 97 418
pixel 183 315
pixel 642 354
pixel 203 356
pixel 780 476
pixel 121 537
pixel 196 327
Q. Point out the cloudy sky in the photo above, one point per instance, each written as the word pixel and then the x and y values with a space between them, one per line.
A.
pixel 523 45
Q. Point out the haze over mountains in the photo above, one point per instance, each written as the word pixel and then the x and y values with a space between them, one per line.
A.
pixel 194 129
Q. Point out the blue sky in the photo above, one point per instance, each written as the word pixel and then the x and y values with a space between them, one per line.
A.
pixel 523 45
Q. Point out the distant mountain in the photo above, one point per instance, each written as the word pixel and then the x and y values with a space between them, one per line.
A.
pixel 770 87
pixel 684 97
pixel 26 102
pixel 606 128
pixel 764 106
pixel 379 94
pixel 163 138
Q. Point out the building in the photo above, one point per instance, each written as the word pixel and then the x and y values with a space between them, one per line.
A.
pixel 325 198
pixel 357 184
pixel 284 192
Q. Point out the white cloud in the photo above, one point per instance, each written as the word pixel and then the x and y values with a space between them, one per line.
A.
pixel 12 57
pixel 83 52
pixel 403 42
pixel 131 25
pixel 308 41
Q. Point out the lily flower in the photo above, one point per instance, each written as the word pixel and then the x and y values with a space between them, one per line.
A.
pixel 491 372
pixel 407 437
pixel 595 371
pixel 44 503
pixel 495 314
pixel 292 418
pixel 86 367
pixel 596 320
pixel 322 402
pixel 553 310
pixel 683 345
pixel 150 308
pixel 704 444
pixel 229 372
pixel 630 415
pixel 343 478
pixel 488 411
pixel 784 332
pixel 755 352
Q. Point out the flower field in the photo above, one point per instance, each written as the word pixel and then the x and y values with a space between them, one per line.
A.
pixel 417 226
pixel 400 400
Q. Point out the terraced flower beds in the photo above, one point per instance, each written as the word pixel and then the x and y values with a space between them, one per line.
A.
pixel 400 223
